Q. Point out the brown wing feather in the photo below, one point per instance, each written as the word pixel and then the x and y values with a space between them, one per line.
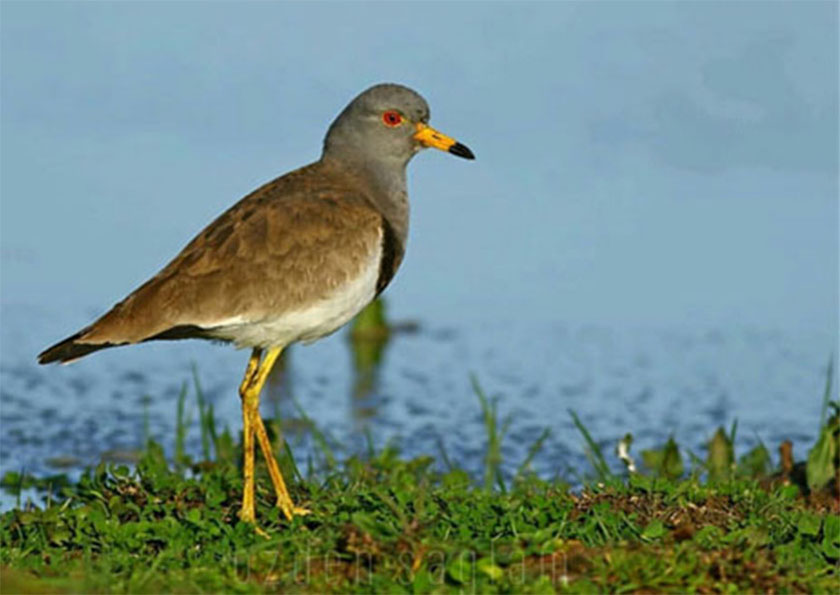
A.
pixel 288 243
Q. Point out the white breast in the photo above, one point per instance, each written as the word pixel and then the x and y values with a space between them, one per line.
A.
pixel 306 324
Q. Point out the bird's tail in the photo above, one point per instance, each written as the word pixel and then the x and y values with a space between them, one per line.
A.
pixel 71 349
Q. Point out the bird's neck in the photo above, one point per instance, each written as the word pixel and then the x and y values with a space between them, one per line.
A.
pixel 387 186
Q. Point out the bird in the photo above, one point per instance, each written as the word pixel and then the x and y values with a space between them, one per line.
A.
pixel 292 261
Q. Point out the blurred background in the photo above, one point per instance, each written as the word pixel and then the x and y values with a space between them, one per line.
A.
pixel 648 236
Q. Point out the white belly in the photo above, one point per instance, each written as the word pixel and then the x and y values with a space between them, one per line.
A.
pixel 306 324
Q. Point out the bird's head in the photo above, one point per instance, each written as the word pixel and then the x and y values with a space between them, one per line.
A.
pixel 386 123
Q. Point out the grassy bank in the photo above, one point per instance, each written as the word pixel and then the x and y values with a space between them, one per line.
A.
pixel 382 523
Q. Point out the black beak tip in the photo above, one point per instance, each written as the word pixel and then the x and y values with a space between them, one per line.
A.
pixel 461 151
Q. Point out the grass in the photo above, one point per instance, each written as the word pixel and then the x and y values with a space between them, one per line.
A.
pixel 382 523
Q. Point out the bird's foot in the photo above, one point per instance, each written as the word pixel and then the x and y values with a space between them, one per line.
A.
pixel 290 510
pixel 248 516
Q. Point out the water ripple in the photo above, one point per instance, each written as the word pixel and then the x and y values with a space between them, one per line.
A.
pixel 654 383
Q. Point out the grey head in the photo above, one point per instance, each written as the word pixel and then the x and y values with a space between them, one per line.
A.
pixel 385 126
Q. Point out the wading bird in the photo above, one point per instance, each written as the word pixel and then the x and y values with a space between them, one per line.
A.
pixel 293 261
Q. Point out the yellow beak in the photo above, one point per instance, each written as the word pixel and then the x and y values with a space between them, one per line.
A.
pixel 430 137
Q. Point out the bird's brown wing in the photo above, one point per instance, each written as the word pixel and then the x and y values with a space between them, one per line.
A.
pixel 289 243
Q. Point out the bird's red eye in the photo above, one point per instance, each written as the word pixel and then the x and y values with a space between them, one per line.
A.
pixel 392 118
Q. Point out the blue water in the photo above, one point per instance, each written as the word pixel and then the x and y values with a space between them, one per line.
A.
pixel 651 382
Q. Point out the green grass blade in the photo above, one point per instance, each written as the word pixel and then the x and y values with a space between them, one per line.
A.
pixel 820 465
pixel 369 448
pixel 180 427
pixel 147 428
pixel 593 452
pixel 533 450
pixel 319 437
pixel 288 464
pixel 211 430
pixel 493 457
pixel 203 422
pixel 829 380
pixel 447 462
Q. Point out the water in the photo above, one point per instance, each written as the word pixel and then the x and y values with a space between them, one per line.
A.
pixel 651 382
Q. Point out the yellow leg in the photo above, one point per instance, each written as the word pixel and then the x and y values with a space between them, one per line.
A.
pixel 255 377
pixel 284 501
pixel 247 512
